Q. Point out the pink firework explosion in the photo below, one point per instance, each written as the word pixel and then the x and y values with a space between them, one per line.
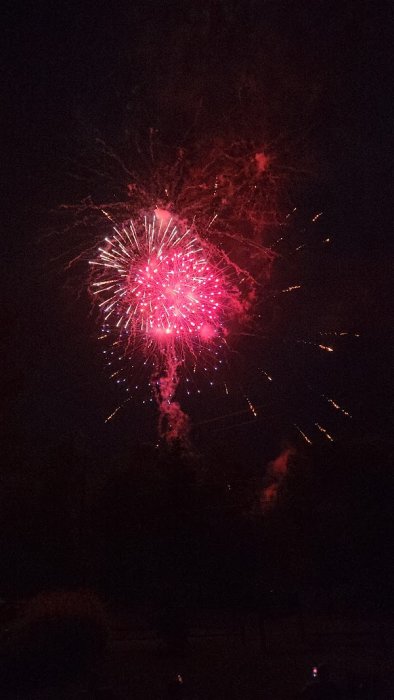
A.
pixel 163 291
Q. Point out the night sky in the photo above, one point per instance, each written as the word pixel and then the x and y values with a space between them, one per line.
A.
pixel 71 72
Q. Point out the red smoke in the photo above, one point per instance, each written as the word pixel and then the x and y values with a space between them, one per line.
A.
pixel 276 472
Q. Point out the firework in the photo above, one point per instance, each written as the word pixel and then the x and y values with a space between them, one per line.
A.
pixel 184 308
pixel 165 293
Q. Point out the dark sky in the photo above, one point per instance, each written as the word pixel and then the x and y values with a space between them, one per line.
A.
pixel 71 70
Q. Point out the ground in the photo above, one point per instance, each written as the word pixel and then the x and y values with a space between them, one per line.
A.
pixel 226 657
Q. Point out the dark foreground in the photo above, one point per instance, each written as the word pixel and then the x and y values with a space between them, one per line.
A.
pixel 231 656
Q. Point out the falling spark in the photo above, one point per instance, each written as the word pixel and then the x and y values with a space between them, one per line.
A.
pixel 339 334
pixel 307 440
pixel 112 414
pixel 291 289
pixel 316 217
pixel 290 213
pixel 327 348
pixel 212 221
pixel 336 406
pixel 252 408
pixel 276 242
pixel 325 432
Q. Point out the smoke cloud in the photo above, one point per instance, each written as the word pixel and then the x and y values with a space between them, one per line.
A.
pixel 276 472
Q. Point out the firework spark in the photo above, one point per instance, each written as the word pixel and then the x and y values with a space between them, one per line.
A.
pixel 325 432
pixel 292 288
pixel 305 437
pixel 336 406
pixel 327 348
pixel 251 407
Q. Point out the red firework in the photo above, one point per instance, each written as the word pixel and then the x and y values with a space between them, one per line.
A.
pixel 164 292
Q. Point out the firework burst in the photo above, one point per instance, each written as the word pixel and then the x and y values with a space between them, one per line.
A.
pixel 224 305
pixel 166 293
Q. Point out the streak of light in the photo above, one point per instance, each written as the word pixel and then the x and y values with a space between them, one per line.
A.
pixel 223 417
pixel 113 414
pixel 292 288
pixel 325 432
pixel 336 406
pixel 306 438
pixel 252 408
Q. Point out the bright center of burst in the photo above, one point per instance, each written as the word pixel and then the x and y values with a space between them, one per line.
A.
pixel 175 294
pixel 157 284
